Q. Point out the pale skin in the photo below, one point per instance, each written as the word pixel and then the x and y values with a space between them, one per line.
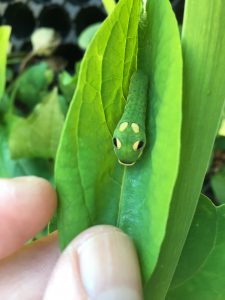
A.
pixel 101 263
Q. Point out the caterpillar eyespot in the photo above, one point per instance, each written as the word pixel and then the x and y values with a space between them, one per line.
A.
pixel 129 138
pixel 138 145
pixel 117 143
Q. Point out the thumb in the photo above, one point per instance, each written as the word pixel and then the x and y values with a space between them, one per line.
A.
pixel 100 264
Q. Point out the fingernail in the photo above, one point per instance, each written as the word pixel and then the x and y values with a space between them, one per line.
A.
pixel 109 267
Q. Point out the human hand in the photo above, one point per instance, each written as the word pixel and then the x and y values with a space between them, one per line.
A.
pixel 99 264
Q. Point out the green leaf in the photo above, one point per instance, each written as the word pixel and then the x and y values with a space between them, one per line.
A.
pixel 218 185
pixel 87 35
pixel 147 188
pixel 38 134
pixel 219 144
pixel 4 107
pixel 68 83
pixel 93 188
pixel 64 105
pixel 4 42
pixel 201 269
pixel 22 167
pixel 203 98
pixel 33 83
pixel 88 177
pixel 109 5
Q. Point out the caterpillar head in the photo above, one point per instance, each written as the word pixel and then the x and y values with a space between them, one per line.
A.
pixel 128 141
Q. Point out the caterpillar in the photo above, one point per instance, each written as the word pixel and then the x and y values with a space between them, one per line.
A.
pixel 129 137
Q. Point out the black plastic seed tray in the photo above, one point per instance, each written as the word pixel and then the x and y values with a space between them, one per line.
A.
pixel 68 17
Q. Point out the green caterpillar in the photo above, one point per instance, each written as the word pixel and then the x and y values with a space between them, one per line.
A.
pixel 129 138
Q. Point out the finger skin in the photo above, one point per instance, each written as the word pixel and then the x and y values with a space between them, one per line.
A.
pixel 25 274
pixel 26 206
pixel 100 264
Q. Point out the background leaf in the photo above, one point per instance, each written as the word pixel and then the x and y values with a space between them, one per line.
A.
pixel 68 83
pixel 201 269
pixel 109 5
pixel 4 42
pixel 87 35
pixel 203 44
pixel 218 185
pixel 33 83
pixel 21 167
pixel 38 134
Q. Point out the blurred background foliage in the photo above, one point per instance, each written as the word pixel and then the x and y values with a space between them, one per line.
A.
pixel 48 41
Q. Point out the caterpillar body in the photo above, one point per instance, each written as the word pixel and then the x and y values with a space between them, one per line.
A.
pixel 129 137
